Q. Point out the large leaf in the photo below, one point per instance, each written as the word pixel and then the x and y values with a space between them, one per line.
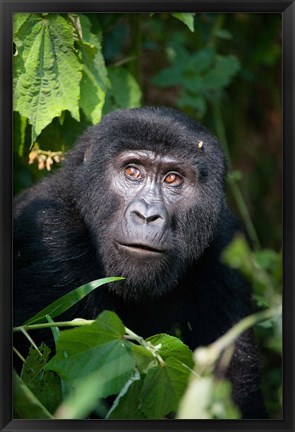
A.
pixel 125 91
pixel 163 388
pixel 47 72
pixel 127 403
pixel 65 302
pixel 94 80
pixel 96 350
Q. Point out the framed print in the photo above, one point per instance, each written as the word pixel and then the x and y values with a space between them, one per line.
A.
pixel 147 215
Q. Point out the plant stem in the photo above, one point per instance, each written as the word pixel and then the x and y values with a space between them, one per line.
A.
pixel 73 323
pixel 207 356
pixel 236 191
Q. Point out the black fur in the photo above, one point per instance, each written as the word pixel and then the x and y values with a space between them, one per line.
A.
pixel 64 229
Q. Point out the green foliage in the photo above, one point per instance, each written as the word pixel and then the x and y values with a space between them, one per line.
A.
pixel 69 69
pixel 68 300
pixel 103 358
pixel 94 81
pixel 25 403
pixel 45 385
pixel 203 75
pixel 263 269
pixel 124 92
pixel 186 18
pixel 46 69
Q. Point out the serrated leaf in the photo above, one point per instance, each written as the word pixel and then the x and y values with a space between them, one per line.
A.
pixel 186 18
pixel 47 72
pixel 65 302
pixel 163 388
pixel 45 385
pixel 94 81
pixel 25 403
pixel 18 20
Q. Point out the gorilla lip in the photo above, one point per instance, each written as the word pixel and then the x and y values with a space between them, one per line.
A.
pixel 140 248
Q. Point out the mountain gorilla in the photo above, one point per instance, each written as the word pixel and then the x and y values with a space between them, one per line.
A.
pixel 140 196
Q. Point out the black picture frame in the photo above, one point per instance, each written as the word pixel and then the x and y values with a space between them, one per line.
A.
pixel 284 7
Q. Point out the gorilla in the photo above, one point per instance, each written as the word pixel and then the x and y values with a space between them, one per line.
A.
pixel 142 196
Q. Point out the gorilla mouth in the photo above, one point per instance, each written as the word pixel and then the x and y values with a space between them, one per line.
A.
pixel 140 248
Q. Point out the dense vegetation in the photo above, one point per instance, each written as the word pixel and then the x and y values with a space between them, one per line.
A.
pixel 222 69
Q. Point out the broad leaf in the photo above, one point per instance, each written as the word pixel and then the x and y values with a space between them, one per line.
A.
pixel 47 72
pixel 163 388
pixel 127 404
pixel 97 350
pixel 94 80
pixel 124 92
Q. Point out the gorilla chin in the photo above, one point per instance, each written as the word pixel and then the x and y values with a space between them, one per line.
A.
pixel 147 273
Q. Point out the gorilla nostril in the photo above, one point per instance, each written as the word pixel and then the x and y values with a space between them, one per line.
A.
pixel 146 217
pixel 138 215
pixel 153 218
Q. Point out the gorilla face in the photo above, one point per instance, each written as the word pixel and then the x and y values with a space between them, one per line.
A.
pixel 143 241
pixel 160 193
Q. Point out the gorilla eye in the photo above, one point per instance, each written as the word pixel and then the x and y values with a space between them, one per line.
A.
pixel 132 172
pixel 173 179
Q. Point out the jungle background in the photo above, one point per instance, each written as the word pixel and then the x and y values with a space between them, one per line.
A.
pixel 222 69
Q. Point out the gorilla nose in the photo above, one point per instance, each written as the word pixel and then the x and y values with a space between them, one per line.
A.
pixel 148 213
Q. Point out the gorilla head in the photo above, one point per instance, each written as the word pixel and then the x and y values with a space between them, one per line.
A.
pixel 149 184
pixel 141 196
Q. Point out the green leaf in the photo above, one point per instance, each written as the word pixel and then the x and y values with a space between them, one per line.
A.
pixel 186 18
pixel 220 76
pixel 198 103
pixel 18 21
pixel 19 133
pixel 172 347
pixel 65 302
pixel 124 91
pixel 47 72
pixel 94 82
pixel 167 77
pixel 98 350
pixel 144 359
pixel 127 404
pixel 25 403
pixel 45 385
pixel 163 388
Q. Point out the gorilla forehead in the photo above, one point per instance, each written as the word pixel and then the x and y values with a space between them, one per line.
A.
pixel 153 128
